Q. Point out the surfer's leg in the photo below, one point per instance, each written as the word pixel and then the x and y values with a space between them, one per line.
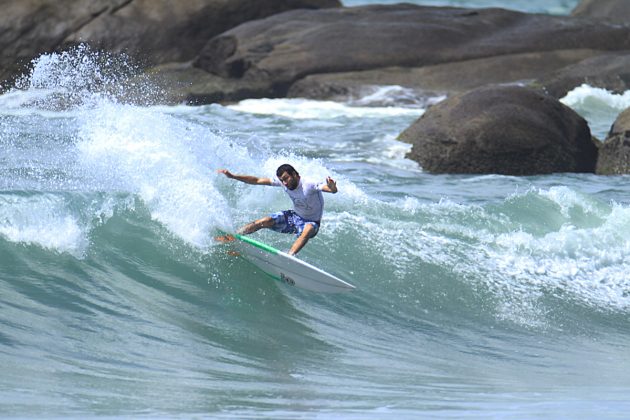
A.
pixel 308 232
pixel 265 222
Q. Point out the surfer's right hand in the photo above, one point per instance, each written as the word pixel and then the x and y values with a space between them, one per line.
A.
pixel 225 172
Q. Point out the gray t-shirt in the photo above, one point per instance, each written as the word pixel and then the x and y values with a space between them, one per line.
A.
pixel 307 197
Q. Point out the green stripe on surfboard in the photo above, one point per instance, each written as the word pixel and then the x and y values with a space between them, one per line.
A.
pixel 257 244
pixel 253 242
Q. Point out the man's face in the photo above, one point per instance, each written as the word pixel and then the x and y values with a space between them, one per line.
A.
pixel 289 181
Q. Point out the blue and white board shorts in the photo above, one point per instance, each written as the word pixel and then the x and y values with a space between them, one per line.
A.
pixel 288 221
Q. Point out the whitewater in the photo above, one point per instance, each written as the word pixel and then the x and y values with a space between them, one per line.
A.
pixel 477 296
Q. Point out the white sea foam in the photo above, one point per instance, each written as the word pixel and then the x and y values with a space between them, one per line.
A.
pixel 586 95
pixel 598 106
pixel 158 157
pixel 568 199
pixel 44 220
pixel 588 265
pixel 397 96
pixel 382 150
pixel 310 109
pixel 24 102
pixel 145 151
pixel 585 260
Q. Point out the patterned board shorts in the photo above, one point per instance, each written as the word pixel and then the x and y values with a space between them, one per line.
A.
pixel 289 221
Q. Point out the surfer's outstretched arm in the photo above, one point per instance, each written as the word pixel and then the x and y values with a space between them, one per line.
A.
pixel 248 179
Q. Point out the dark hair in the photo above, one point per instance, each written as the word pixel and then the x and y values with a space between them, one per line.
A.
pixel 286 168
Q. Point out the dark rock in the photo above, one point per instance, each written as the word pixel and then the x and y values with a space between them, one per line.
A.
pixel 614 153
pixel 287 47
pixel 29 28
pixel 609 71
pixel 448 78
pixel 183 83
pixel 609 10
pixel 501 129
pixel 152 31
pixel 163 31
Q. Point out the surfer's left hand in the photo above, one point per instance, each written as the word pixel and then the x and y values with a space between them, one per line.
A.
pixel 332 184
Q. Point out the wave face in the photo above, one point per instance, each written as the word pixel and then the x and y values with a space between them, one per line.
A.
pixel 482 296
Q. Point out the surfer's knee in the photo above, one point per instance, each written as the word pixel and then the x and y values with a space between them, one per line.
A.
pixel 266 222
pixel 309 231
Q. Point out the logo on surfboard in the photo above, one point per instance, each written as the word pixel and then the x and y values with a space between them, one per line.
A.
pixel 287 279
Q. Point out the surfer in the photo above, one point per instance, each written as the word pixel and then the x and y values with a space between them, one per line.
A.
pixel 308 205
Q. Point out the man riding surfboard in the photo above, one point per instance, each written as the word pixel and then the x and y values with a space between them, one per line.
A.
pixel 308 204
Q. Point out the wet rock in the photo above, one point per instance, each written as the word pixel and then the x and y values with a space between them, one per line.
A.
pixel 181 83
pixel 609 10
pixel 287 47
pixel 150 31
pixel 501 130
pixel 160 31
pixel 448 78
pixel 609 71
pixel 32 27
pixel 614 153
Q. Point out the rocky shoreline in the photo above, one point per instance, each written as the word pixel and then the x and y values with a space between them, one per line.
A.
pixel 206 51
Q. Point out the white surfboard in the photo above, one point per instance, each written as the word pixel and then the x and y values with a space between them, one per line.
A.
pixel 287 269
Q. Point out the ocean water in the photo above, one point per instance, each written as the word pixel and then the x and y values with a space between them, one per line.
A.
pixel 555 7
pixel 477 296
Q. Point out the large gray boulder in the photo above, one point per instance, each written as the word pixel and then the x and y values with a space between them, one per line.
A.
pixel 31 27
pixel 151 31
pixel 614 153
pixel 608 10
pixel 445 78
pixel 287 47
pixel 609 71
pixel 160 31
pixel 501 130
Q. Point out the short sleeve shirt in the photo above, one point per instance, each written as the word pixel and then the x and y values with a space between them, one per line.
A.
pixel 307 197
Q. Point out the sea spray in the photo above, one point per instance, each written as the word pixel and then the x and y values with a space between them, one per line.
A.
pixel 80 77
pixel 598 106
pixel 42 219
pixel 117 147
pixel 158 158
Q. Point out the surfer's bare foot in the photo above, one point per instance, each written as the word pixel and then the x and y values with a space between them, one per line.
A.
pixel 224 239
